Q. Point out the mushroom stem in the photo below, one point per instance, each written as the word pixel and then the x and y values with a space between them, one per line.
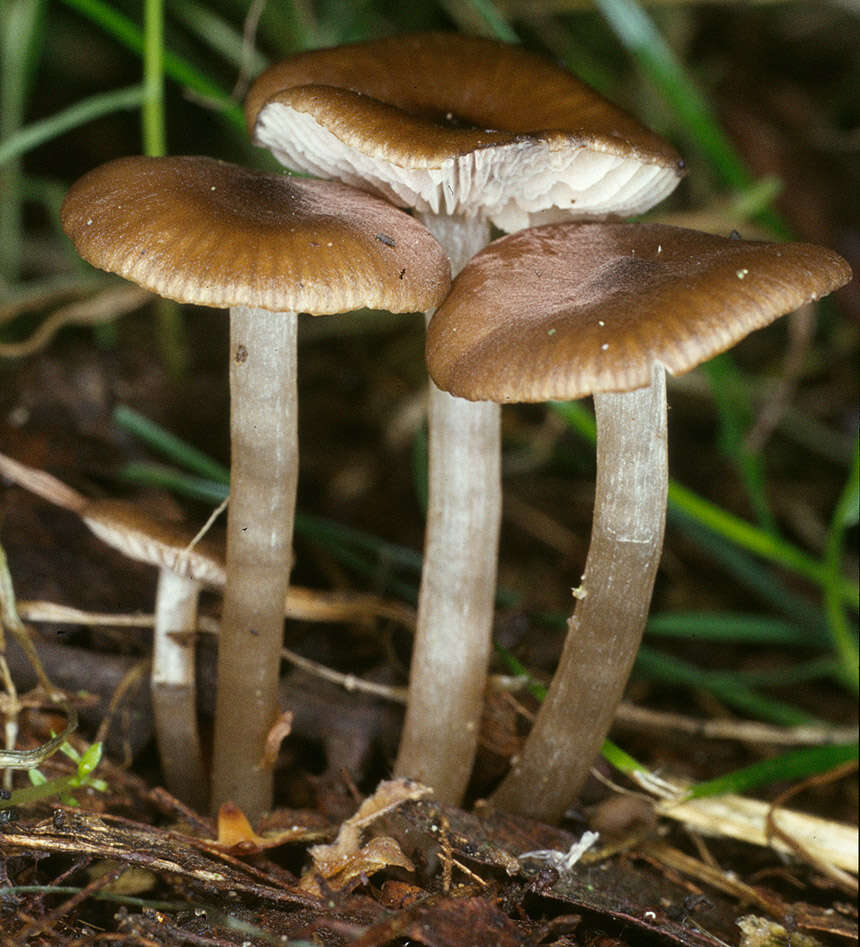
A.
pixel 613 600
pixel 172 677
pixel 174 693
pixel 458 580
pixel 264 473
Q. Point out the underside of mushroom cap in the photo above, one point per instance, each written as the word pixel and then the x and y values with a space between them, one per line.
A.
pixel 459 124
pixel 203 231
pixel 156 542
pixel 568 310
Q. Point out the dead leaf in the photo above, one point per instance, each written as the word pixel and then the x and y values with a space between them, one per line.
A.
pixel 340 869
pixel 234 830
pixel 346 859
pixel 236 837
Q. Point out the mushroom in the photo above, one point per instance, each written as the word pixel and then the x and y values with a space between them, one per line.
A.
pixel 469 132
pixel 202 231
pixel 181 574
pixel 186 564
pixel 567 310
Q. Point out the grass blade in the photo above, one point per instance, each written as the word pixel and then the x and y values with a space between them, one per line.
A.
pixel 152 113
pixel 760 542
pixel 610 751
pixel 754 575
pixel 730 627
pixel 87 110
pixel 20 27
pixel 177 481
pixel 180 70
pixel 844 637
pixel 731 527
pixel 729 687
pixel 218 34
pixel 815 669
pixel 788 767
pixel 170 446
pixel 497 25
pixel 637 32
pixel 731 396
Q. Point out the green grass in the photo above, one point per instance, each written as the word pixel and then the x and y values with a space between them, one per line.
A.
pixel 87 110
pixel 158 62
pixel 787 767
pixel 745 535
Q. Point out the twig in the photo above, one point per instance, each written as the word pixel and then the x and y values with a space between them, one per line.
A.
pixel 103 307
pixel 540 525
pixel 43 924
pixel 348 682
pixel 739 817
pixel 53 612
pixel 42 484
pixel 746 731
pixel 839 877
pixel 249 41
pixel 9 618
pixel 302 603
pixel 40 611
pixel 800 329
pixel 204 529
pixel 131 677
pixel 13 708
pixel 39 295
pixel 679 861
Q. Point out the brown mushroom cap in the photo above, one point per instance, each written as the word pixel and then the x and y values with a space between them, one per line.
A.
pixel 567 310
pixel 203 231
pixel 155 542
pixel 460 124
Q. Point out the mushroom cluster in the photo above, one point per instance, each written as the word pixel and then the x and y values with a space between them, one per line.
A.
pixel 606 309
pixel 267 247
pixel 467 134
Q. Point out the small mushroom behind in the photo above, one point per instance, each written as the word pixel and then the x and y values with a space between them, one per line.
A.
pixel 567 310
pixel 468 132
pixel 205 232
pixel 188 565
pixel 182 572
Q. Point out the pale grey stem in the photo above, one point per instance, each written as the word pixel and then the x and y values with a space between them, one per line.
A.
pixel 613 600
pixel 174 691
pixel 263 473
pixel 458 581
